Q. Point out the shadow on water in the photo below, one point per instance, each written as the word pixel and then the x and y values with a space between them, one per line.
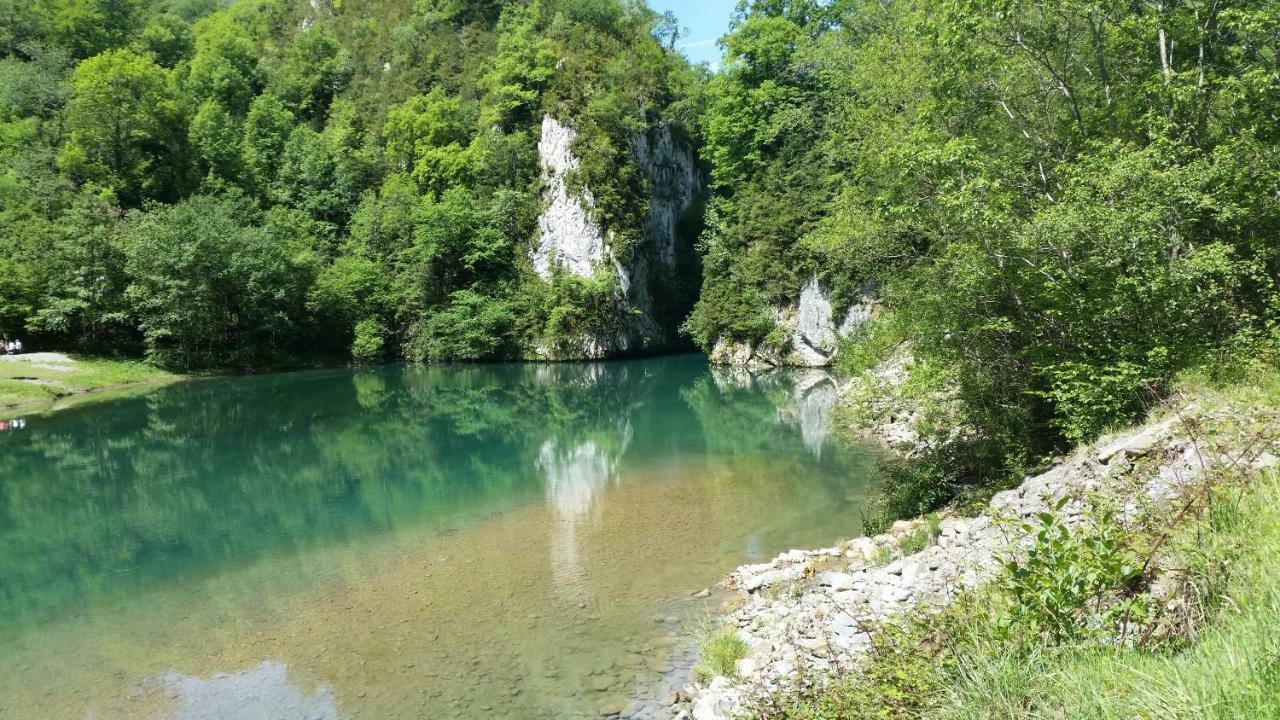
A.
pixel 271 511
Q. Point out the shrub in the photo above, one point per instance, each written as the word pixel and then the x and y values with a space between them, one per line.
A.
pixel 1064 589
pixel 369 344
pixel 720 650
pixel 472 327
pixel 910 488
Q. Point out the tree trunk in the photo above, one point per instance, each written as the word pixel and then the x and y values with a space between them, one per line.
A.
pixel 1165 64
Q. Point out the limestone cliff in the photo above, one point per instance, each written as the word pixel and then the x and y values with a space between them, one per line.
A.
pixel 809 327
pixel 572 241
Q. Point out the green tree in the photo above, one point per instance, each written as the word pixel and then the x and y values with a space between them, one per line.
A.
pixel 316 68
pixel 522 67
pixel 167 39
pixel 126 127
pixel 215 144
pixel 426 136
pixel 88 27
pixel 82 280
pixel 352 292
pixel 225 66
pixel 267 128
pixel 21 23
pixel 211 290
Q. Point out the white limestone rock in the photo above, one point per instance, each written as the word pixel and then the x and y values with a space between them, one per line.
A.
pixel 813 334
pixel 569 238
pixel 822 620
pixel 567 235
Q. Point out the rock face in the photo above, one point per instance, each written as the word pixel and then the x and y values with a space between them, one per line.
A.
pixel 567 236
pixel 812 332
pixel 570 239
pixel 674 182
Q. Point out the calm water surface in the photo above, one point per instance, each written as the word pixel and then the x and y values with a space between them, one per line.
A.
pixel 508 541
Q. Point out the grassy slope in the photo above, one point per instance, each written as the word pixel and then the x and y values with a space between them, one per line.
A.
pixel 970 663
pixel 34 386
pixel 1230 670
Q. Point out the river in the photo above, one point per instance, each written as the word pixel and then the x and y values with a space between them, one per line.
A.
pixel 488 541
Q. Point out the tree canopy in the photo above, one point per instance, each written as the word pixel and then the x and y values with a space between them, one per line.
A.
pixel 1063 203
pixel 248 183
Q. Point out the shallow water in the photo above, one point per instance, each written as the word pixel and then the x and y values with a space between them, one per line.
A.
pixel 505 541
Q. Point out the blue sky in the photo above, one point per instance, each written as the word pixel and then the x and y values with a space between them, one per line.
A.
pixel 707 20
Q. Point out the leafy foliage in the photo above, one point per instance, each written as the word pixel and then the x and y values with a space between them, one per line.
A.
pixel 207 288
pixel 371 168
pixel 1064 588
pixel 1065 204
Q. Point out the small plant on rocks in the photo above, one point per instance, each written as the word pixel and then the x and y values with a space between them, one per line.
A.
pixel 882 555
pixel 1066 587
pixel 922 537
pixel 720 649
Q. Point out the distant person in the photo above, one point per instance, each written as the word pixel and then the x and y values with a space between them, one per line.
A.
pixel 15 347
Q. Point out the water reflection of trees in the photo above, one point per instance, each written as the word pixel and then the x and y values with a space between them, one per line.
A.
pixel 741 410
pixel 194 478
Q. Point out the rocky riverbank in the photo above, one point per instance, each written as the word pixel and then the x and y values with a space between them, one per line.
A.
pixel 809 614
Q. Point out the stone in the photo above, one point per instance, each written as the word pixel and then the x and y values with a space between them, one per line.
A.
pixel 822 628
pixel 809 323
pixel 707 708
pixel 603 682
pixel 567 235
pixel 836 580
pixel 910 571
pixel 1137 444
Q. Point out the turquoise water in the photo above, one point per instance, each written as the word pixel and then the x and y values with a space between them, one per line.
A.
pixel 476 541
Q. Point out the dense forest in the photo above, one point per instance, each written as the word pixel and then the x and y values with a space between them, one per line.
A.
pixel 1061 204
pixel 242 184
pixel 1064 203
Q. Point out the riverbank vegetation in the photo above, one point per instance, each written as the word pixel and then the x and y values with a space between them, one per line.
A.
pixel 240 184
pixel 1063 205
pixel 35 382
pixel 1170 613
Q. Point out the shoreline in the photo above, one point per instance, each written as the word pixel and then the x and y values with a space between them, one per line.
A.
pixel 79 396
pixel 44 382
pixel 809 616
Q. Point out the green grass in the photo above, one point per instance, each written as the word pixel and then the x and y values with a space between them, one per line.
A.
pixel 922 537
pixel 881 555
pixel 720 650
pixel 1231 669
pixel 34 386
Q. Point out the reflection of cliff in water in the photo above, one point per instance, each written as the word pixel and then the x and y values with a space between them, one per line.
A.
pixel 192 478
pixel 579 459
pixel 575 476
pixel 201 475
pixel 801 398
